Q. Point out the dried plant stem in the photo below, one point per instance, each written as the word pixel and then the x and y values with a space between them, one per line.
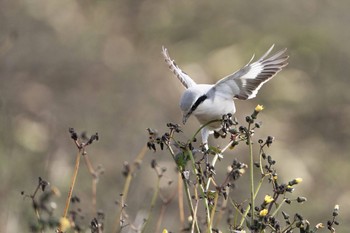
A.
pixel 263 175
pixel 136 163
pixel 153 203
pixel 259 186
pixel 37 214
pixel 161 215
pixel 74 177
pixel 187 191
pixel 94 194
pixel 94 181
pixel 211 222
pixel 244 216
pixel 194 220
pixel 35 192
pixel 260 161
pixel 181 200
pixel 202 126
pixel 213 162
pixel 252 190
pixel 193 211
pixel 38 217
pixel 216 157
pixel 222 209
pixel 253 193
pixel 201 188
pixel 278 208
pixel 238 210
pixel 165 203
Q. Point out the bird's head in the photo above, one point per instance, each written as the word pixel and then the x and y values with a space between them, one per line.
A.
pixel 189 102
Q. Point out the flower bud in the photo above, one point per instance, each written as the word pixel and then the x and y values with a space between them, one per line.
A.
pixel 301 199
pixel 295 181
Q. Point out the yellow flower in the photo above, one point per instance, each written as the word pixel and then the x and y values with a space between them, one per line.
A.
pixel 64 224
pixel 298 180
pixel 263 212
pixel 268 199
pixel 259 108
pixel 165 231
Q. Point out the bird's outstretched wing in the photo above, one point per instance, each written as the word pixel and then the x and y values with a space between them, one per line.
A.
pixel 246 82
pixel 181 75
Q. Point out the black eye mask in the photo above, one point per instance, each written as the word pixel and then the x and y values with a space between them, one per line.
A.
pixel 197 103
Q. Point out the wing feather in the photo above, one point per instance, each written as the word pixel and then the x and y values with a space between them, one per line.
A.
pixel 246 82
pixel 184 78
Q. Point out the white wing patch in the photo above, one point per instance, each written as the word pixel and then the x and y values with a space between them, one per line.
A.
pixel 254 71
pixel 184 78
pixel 246 82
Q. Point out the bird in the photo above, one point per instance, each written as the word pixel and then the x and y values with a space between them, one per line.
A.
pixel 209 102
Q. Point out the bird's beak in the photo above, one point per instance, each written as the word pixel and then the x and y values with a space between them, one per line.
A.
pixel 184 118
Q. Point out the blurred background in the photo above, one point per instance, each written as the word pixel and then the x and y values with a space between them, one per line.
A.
pixel 97 66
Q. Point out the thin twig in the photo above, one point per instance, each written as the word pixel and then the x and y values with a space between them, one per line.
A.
pixel 223 208
pixel 181 201
pixel 213 162
pixel 187 190
pixel 201 188
pixel 165 203
pixel 94 181
pixel 211 223
pixel 203 126
pixel 136 163
pixel 252 190
pixel 153 203
pixel 189 200
pixel 161 215
pixel 194 217
pixel 74 177
pixel 278 208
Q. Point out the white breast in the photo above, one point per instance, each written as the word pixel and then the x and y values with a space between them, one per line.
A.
pixel 214 109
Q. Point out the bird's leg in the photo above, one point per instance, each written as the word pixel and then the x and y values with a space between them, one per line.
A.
pixel 205 135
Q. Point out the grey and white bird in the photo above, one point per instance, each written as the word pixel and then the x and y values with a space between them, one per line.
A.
pixel 209 102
